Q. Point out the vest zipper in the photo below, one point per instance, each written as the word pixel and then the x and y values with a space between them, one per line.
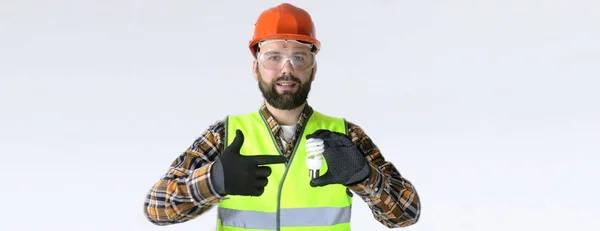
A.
pixel 287 165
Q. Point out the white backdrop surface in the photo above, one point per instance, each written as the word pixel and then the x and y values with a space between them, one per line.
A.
pixel 491 108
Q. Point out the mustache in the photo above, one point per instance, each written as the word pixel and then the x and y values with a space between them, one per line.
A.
pixel 288 78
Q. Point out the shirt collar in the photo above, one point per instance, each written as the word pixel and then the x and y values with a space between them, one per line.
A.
pixel 276 128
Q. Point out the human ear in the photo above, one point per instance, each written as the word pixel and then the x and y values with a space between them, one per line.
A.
pixel 314 72
pixel 255 69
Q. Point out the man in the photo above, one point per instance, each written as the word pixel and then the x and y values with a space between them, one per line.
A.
pixel 253 166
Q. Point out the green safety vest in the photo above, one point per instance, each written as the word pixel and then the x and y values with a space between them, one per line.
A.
pixel 288 203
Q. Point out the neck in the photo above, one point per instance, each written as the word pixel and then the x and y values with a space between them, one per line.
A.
pixel 286 117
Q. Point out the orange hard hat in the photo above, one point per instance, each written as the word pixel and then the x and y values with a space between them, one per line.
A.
pixel 285 22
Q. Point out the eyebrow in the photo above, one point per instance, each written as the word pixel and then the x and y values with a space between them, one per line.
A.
pixel 272 52
pixel 279 52
pixel 300 52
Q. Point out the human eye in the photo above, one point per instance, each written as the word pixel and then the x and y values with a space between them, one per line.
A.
pixel 274 57
pixel 299 58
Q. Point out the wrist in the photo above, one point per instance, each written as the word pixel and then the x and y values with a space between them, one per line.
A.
pixel 217 177
pixel 360 177
pixel 367 186
pixel 201 186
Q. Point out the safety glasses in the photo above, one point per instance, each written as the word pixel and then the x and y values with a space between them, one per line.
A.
pixel 276 59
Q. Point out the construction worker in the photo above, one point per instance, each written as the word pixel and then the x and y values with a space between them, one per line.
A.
pixel 253 166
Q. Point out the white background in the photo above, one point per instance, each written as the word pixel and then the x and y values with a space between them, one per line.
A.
pixel 489 107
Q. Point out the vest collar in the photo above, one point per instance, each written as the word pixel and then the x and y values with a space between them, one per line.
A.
pixel 276 129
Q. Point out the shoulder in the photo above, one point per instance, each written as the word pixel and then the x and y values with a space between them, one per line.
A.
pixel 242 118
pixel 326 116
pixel 210 138
pixel 360 138
pixel 355 131
pixel 217 127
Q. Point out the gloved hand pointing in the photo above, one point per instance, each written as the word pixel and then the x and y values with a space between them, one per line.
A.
pixel 236 174
pixel 345 163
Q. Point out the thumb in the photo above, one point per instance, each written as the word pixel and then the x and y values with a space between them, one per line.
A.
pixel 323 180
pixel 236 145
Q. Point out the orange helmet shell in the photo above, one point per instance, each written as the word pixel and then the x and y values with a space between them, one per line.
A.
pixel 286 22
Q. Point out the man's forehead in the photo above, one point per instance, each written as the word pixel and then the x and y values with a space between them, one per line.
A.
pixel 270 45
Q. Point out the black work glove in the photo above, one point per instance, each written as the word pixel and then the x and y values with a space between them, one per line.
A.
pixel 346 165
pixel 235 174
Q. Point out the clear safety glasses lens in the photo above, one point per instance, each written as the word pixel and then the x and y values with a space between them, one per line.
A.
pixel 276 59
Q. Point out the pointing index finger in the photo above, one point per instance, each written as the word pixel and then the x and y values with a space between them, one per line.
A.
pixel 268 159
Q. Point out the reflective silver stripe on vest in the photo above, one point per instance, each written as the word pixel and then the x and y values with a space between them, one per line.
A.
pixel 289 217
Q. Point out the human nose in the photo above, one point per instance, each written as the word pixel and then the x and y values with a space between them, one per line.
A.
pixel 288 68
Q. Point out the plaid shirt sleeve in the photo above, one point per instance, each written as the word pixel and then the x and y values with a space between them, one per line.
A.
pixel 185 191
pixel 392 199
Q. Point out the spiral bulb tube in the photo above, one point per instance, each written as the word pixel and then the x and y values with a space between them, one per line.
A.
pixel 314 158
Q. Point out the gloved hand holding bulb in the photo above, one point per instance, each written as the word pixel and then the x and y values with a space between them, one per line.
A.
pixel 314 158
pixel 346 165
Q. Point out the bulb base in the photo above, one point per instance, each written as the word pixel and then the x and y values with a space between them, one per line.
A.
pixel 313 173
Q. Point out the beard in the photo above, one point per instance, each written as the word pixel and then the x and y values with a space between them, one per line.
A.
pixel 287 100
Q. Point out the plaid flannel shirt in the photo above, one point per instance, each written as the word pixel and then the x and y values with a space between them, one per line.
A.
pixel 186 190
